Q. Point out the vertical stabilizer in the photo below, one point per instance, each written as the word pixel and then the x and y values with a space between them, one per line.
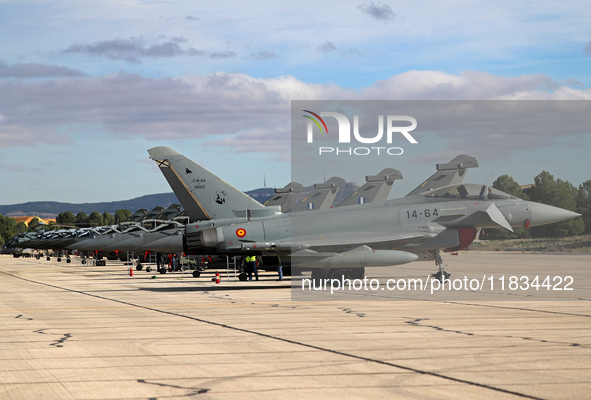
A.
pixel 202 194
pixel 285 197
pixel 451 173
pixel 172 212
pixel 322 196
pixel 137 216
pixel 376 188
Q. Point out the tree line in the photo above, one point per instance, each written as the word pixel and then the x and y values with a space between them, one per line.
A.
pixel 93 219
pixel 554 192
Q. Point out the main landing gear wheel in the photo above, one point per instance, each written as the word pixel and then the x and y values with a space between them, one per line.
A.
pixel 83 261
pixel 162 271
pixel 196 274
pixel 59 259
pixel 243 277
pixel 357 273
pixel 139 267
pixel 48 258
pixel 317 276
pixel 68 260
pixel 339 273
pixel 440 275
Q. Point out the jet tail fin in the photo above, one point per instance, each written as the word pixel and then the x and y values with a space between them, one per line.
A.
pixel 137 216
pixel 322 196
pixel 376 188
pixel 285 197
pixel 202 194
pixel 450 173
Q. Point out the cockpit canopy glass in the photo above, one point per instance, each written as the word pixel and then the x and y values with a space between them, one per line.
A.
pixel 467 191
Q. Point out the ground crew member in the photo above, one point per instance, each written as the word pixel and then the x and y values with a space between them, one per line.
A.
pixel 251 263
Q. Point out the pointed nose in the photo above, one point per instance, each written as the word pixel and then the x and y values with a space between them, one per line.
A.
pixel 542 214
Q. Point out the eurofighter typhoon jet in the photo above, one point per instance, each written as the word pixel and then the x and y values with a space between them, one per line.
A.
pixel 349 238
pixel 229 205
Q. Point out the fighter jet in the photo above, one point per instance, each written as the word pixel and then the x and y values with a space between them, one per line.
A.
pixel 83 239
pixel 182 172
pixel 390 232
pixel 121 237
pixel 348 239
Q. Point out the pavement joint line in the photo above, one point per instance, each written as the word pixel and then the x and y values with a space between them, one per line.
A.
pixel 399 298
pixel 419 323
pixel 520 309
pixel 221 325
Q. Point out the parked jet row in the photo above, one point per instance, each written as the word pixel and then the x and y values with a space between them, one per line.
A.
pixel 441 214
pixel 98 241
pixel 163 230
pixel 191 181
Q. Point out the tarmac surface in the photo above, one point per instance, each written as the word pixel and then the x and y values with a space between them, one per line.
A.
pixel 70 331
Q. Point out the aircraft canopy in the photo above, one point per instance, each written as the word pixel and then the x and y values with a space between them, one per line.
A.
pixel 467 191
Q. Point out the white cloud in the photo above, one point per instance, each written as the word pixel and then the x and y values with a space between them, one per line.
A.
pixel 35 70
pixel 230 110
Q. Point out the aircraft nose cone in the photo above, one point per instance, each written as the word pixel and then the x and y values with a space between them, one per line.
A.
pixel 542 214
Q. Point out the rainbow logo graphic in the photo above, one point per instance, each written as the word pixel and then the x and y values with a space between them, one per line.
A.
pixel 316 121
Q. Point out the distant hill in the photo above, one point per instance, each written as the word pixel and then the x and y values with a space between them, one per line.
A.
pixel 261 195
pixel 50 209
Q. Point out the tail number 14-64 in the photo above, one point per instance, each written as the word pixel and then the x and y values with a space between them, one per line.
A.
pixel 410 214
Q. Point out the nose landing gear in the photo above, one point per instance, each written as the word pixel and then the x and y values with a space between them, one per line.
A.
pixel 440 275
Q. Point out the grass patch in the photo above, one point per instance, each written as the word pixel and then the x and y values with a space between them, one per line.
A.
pixel 573 244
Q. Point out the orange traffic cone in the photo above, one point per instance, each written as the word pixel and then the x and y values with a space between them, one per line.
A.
pixel 131 272
pixel 217 277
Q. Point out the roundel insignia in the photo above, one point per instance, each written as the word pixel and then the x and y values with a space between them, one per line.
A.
pixel 240 232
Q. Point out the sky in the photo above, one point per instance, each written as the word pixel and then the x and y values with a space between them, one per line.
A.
pixel 87 87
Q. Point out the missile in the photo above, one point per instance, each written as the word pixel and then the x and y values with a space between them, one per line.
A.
pixel 362 256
